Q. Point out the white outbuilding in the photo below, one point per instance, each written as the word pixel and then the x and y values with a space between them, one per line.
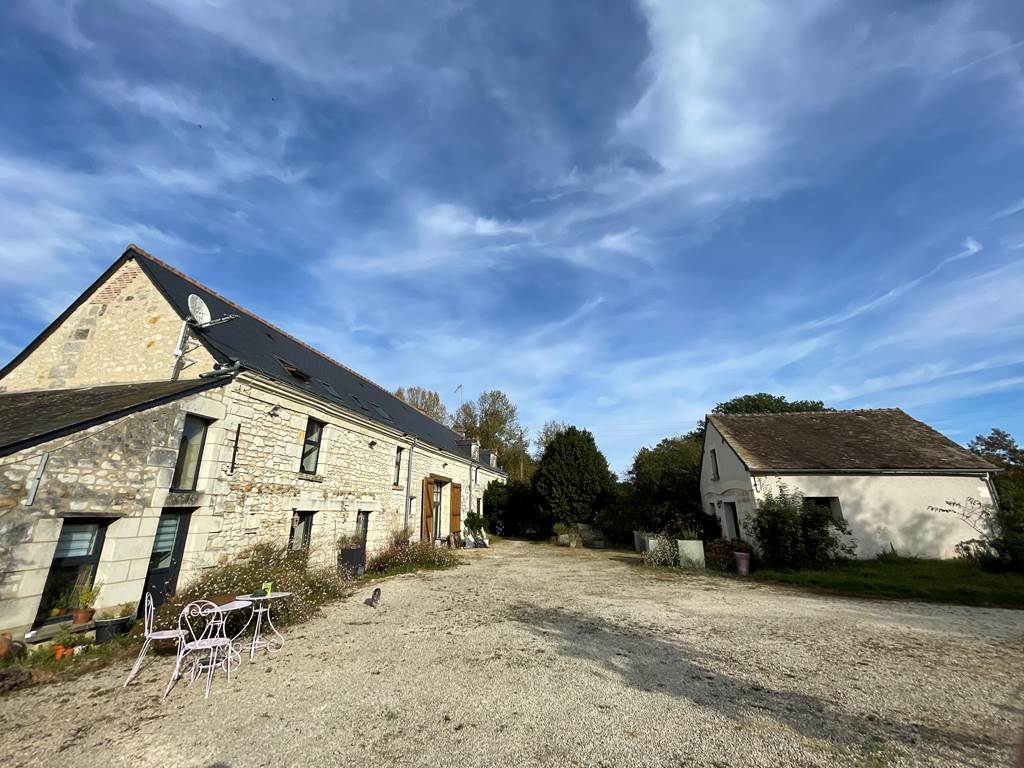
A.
pixel 880 470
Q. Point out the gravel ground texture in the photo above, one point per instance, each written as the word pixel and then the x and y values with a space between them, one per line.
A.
pixel 534 655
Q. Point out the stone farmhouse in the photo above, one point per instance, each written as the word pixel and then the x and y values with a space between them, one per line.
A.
pixel 881 471
pixel 156 428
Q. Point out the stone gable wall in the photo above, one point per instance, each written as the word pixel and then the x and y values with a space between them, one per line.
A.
pixel 124 332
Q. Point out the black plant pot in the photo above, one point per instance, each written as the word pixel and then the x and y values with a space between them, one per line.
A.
pixel 110 629
pixel 352 560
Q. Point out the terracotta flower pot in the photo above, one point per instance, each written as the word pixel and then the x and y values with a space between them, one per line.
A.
pixel 6 645
pixel 82 615
pixel 61 652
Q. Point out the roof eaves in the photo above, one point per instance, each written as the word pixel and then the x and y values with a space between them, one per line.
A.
pixel 201 386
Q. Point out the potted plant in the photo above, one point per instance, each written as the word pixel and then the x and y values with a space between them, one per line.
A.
pixel 351 554
pixel 476 525
pixel 741 552
pixel 691 548
pixel 63 645
pixel 640 540
pixel 112 622
pixel 82 600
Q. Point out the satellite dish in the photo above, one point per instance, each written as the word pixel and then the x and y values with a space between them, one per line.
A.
pixel 198 309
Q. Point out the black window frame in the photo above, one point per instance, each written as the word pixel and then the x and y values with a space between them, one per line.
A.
pixel 398 465
pixel 307 533
pixel 93 559
pixel 715 474
pixel 307 442
pixel 178 462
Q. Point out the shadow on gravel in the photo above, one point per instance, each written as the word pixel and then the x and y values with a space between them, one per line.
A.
pixel 647 661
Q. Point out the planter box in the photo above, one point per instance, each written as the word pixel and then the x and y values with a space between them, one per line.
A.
pixel 640 541
pixel 110 629
pixel 352 560
pixel 562 539
pixel 650 542
pixel 691 553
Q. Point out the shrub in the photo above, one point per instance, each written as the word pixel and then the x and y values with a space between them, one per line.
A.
pixel 793 534
pixel 474 523
pixel 718 554
pixel 663 553
pixel 397 557
pixel 1000 542
pixel 562 529
pixel 288 570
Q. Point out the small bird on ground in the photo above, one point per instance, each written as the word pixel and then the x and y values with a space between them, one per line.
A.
pixel 374 600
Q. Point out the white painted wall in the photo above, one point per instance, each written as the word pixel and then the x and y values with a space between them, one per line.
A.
pixel 733 483
pixel 893 509
pixel 881 510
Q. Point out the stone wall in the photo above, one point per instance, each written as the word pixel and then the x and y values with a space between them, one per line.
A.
pixel 108 471
pixel 123 470
pixel 124 332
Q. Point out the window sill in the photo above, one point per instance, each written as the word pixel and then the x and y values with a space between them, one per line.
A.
pixel 312 478
pixel 397 487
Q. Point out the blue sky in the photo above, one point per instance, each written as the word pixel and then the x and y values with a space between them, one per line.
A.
pixel 618 213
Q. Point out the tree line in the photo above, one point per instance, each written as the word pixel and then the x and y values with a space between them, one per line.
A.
pixel 572 483
pixel 493 420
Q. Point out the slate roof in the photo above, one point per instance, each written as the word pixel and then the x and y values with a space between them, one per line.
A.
pixel 865 440
pixel 265 348
pixel 29 418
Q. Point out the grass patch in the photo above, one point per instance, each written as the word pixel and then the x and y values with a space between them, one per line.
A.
pixel 937 581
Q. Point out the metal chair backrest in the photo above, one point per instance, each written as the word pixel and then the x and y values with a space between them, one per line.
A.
pixel 201 620
pixel 147 615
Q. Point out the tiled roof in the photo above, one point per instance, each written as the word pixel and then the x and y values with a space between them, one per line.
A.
pixel 866 440
pixel 28 418
pixel 265 348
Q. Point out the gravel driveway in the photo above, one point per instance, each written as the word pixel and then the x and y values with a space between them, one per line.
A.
pixel 532 655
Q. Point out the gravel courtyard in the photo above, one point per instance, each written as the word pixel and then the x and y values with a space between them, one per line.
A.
pixel 532 655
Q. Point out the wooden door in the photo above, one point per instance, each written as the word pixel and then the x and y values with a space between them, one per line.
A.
pixel 427 518
pixel 456 508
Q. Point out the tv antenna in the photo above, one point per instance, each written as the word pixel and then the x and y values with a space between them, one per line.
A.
pixel 199 317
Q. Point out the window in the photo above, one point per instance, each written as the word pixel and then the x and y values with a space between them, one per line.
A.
pixel 73 567
pixel 383 414
pixel 714 465
pixel 479 506
pixel 311 447
pixel 831 503
pixel 302 528
pixel 398 466
pixel 438 485
pixel 190 453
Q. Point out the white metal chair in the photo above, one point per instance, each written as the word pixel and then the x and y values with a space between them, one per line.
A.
pixel 152 635
pixel 202 624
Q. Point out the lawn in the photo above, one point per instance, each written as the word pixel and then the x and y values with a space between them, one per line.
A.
pixel 940 581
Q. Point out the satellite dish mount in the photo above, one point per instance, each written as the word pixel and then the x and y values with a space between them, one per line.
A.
pixel 199 317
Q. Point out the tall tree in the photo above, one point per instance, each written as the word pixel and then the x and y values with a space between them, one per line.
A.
pixel 760 402
pixel 998 447
pixel 546 435
pixel 426 400
pixel 573 481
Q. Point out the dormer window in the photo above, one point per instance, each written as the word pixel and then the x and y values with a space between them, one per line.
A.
pixel 295 372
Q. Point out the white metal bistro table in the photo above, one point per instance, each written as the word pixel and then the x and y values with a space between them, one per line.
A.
pixel 261 615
